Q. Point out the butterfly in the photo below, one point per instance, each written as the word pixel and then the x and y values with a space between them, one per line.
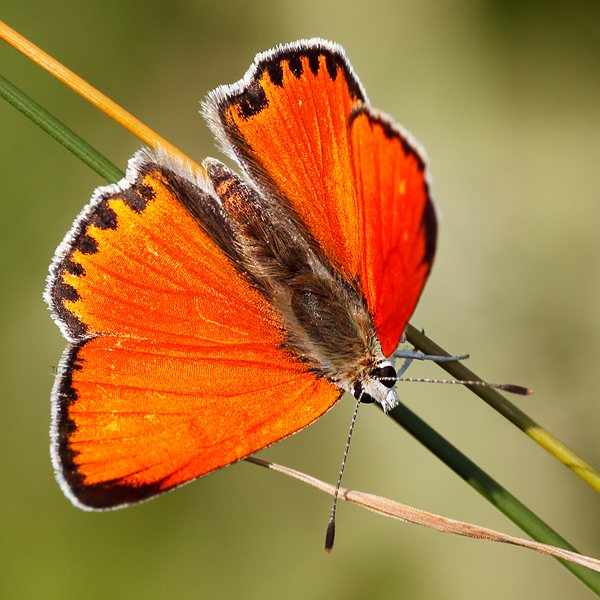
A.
pixel 210 314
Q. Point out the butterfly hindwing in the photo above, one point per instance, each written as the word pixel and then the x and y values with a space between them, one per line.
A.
pixel 400 225
pixel 135 418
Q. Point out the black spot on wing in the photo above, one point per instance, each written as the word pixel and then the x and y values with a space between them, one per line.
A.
pixel 73 268
pixel 275 71
pixel 59 294
pixel 313 62
pixel 332 66
pixel 68 293
pixel 104 217
pixel 251 101
pixel 87 244
pixel 296 66
pixel 430 226
pixel 137 196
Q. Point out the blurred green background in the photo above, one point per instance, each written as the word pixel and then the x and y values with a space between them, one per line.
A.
pixel 505 97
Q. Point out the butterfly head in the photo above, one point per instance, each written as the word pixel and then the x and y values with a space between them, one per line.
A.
pixel 377 385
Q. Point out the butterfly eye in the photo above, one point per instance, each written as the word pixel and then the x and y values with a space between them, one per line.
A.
pixel 388 372
pixel 365 398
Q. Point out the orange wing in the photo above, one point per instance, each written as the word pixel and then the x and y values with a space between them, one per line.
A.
pixel 292 123
pixel 174 367
pixel 400 225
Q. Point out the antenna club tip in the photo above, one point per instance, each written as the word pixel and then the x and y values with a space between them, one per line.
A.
pixel 517 389
pixel 330 537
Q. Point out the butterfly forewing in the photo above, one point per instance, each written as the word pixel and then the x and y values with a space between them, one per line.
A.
pixel 294 140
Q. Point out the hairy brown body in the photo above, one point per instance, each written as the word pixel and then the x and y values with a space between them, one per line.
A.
pixel 323 313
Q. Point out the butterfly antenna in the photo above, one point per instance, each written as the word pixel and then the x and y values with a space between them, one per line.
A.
pixel 330 536
pixel 506 387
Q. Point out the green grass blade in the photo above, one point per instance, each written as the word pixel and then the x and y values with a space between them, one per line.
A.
pixel 490 489
pixel 60 132
pixel 507 409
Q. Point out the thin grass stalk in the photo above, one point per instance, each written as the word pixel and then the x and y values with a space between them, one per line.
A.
pixel 60 132
pixel 508 410
pixel 491 490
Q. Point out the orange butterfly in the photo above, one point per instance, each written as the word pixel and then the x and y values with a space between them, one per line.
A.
pixel 210 316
